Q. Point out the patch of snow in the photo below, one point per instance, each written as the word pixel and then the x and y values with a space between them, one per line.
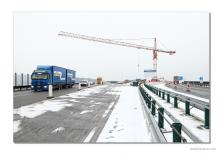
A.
pixel 16 126
pixel 98 103
pixel 86 111
pixel 58 130
pixel 74 100
pixel 126 122
pixel 34 110
pixel 88 91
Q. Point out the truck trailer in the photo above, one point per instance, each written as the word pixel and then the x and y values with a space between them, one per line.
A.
pixel 46 75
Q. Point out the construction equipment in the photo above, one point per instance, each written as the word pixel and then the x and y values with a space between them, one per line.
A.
pixel 99 80
pixel 121 43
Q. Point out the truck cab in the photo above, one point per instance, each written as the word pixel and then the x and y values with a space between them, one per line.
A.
pixel 40 80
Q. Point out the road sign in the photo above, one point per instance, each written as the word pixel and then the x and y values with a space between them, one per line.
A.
pixel 201 79
pixel 180 77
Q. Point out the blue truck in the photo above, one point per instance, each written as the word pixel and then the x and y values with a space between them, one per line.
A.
pixel 58 77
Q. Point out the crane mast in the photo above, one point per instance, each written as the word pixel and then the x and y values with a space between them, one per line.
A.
pixel 120 43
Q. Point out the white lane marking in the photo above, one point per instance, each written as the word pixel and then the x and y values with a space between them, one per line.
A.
pixel 90 135
pixel 58 130
pixel 86 111
pixel 107 111
pixel 16 126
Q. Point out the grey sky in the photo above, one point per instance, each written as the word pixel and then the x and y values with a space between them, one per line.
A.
pixel 36 43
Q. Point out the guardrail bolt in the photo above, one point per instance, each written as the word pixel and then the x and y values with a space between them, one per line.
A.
pixel 187 108
pixel 175 102
pixel 206 118
pixel 176 135
pixel 168 98
pixel 163 96
pixel 153 107
pixel 149 102
pixel 160 117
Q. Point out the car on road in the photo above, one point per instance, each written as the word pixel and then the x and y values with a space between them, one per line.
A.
pixel 135 83
pixel 84 83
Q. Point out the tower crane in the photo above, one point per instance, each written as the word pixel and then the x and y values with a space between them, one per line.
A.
pixel 120 43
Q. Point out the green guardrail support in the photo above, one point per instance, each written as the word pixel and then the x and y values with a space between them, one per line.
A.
pixel 163 97
pixel 153 107
pixel 160 117
pixel 168 98
pixel 176 135
pixel 149 102
pixel 175 102
pixel 206 118
pixel 187 107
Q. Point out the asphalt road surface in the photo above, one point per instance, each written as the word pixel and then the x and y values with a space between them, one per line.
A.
pixel 82 122
pixel 23 98
pixel 203 92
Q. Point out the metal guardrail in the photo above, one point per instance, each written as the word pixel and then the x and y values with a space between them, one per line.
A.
pixel 195 103
pixel 21 81
pixel 152 106
pixel 197 83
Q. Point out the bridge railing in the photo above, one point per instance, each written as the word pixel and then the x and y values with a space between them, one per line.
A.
pixel 197 83
pixel 153 107
pixel 188 101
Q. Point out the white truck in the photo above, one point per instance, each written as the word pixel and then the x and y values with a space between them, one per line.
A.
pixel 84 83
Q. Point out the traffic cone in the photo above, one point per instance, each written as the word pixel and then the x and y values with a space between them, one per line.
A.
pixel 188 87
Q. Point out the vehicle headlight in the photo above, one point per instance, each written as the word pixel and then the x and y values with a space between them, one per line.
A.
pixel 32 86
pixel 45 86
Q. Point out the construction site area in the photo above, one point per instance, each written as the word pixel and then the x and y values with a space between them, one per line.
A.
pixel 122 83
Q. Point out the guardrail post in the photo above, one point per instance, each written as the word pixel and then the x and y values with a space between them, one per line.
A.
pixel 206 118
pixel 149 102
pixel 163 96
pixel 159 93
pixel 175 102
pixel 27 79
pixel 187 107
pixel 160 117
pixel 22 79
pixel 15 79
pixel 168 98
pixel 176 135
pixel 153 107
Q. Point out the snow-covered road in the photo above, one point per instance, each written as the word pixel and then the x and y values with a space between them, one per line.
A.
pixel 126 123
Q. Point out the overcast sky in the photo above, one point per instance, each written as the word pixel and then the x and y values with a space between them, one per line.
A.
pixel 36 43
